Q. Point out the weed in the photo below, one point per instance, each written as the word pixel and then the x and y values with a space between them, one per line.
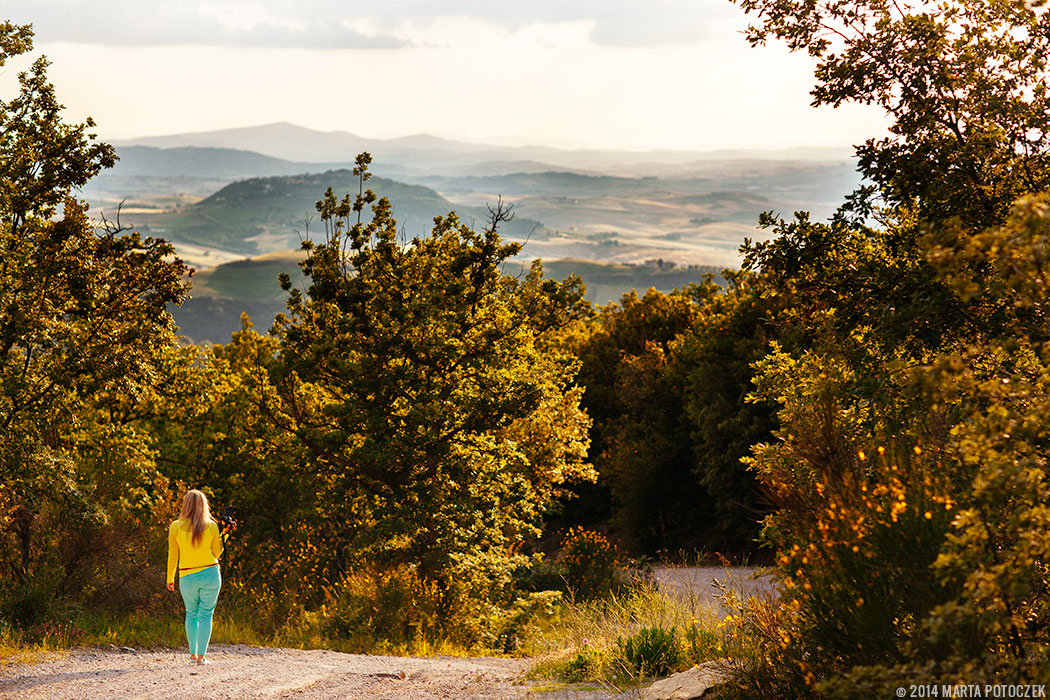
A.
pixel 651 651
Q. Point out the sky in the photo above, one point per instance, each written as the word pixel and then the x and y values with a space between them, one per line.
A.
pixel 659 74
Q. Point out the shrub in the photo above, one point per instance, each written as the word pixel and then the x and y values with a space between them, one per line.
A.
pixel 395 606
pixel 651 651
pixel 506 627
pixel 701 644
pixel 590 563
pixel 585 665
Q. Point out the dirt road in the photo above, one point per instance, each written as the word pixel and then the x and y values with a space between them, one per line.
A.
pixel 697 583
pixel 249 673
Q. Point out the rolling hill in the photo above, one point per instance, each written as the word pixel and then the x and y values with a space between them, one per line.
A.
pixel 265 214
pixel 250 193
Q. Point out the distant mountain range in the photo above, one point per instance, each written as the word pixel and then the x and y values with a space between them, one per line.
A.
pixel 423 152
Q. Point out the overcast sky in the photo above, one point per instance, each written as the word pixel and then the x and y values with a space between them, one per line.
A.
pixel 610 73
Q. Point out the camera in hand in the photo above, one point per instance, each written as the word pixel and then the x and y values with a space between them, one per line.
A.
pixel 228 523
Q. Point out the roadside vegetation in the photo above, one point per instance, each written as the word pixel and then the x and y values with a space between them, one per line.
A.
pixel 430 455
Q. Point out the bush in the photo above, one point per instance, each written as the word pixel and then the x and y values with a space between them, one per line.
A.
pixel 701 644
pixel 586 665
pixel 652 651
pixel 590 563
pixel 395 606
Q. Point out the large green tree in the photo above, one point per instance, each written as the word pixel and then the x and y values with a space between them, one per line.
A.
pixel 908 472
pixel 82 316
pixel 416 376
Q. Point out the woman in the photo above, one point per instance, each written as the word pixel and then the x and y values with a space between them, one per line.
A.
pixel 194 547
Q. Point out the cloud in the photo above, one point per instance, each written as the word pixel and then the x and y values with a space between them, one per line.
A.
pixel 354 24
pixel 258 23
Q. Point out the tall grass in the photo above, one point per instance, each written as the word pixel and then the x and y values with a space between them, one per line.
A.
pixel 588 640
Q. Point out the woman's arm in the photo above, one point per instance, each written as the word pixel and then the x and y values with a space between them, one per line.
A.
pixel 173 555
pixel 216 540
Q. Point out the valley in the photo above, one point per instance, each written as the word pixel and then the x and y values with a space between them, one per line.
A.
pixel 622 220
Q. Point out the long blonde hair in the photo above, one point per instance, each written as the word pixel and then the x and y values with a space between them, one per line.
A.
pixel 195 509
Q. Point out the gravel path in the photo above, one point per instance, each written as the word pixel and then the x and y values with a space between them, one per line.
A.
pixel 241 672
pixel 250 673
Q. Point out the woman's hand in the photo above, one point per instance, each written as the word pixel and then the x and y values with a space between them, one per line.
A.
pixel 171 586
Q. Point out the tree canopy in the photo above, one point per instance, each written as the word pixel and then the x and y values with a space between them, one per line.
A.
pixel 82 320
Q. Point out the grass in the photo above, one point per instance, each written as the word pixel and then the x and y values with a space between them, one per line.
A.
pixel 584 640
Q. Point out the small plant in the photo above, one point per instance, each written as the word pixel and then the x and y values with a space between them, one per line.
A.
pixel 651 651
pixel 701 644
pixel 584 666
pixel 55 634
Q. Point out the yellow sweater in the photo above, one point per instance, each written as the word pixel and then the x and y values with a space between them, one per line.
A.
pixel 190 559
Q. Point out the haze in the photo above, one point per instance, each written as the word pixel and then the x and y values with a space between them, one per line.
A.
pixel 615 74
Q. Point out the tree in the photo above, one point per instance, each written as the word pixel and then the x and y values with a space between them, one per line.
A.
pixel 734 331
pixel 642 443
pixel 908 469
pixel 82 316
pixel 412 374
pixel 963 82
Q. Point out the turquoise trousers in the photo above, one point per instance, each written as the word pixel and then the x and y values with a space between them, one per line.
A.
pixel 200 592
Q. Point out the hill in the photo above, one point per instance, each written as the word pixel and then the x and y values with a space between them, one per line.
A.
pixel 424 152
pixel 218 202
pixel 272 213
pixel 193 161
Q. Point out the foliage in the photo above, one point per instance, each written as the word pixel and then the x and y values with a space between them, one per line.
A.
pixel 667 376
pixel 590 563
pixel 411 374
pixel 962 80
pixel 701 644
pixel 585 665
pixel 884 454
pixel 651 651
pixel 909 466
pixel 734 331
pixel 82 327
pixel 396 605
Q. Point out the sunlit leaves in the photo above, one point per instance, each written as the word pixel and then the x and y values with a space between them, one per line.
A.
pixel 414 374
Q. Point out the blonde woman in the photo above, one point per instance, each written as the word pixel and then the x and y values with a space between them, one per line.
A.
pixel 194 548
